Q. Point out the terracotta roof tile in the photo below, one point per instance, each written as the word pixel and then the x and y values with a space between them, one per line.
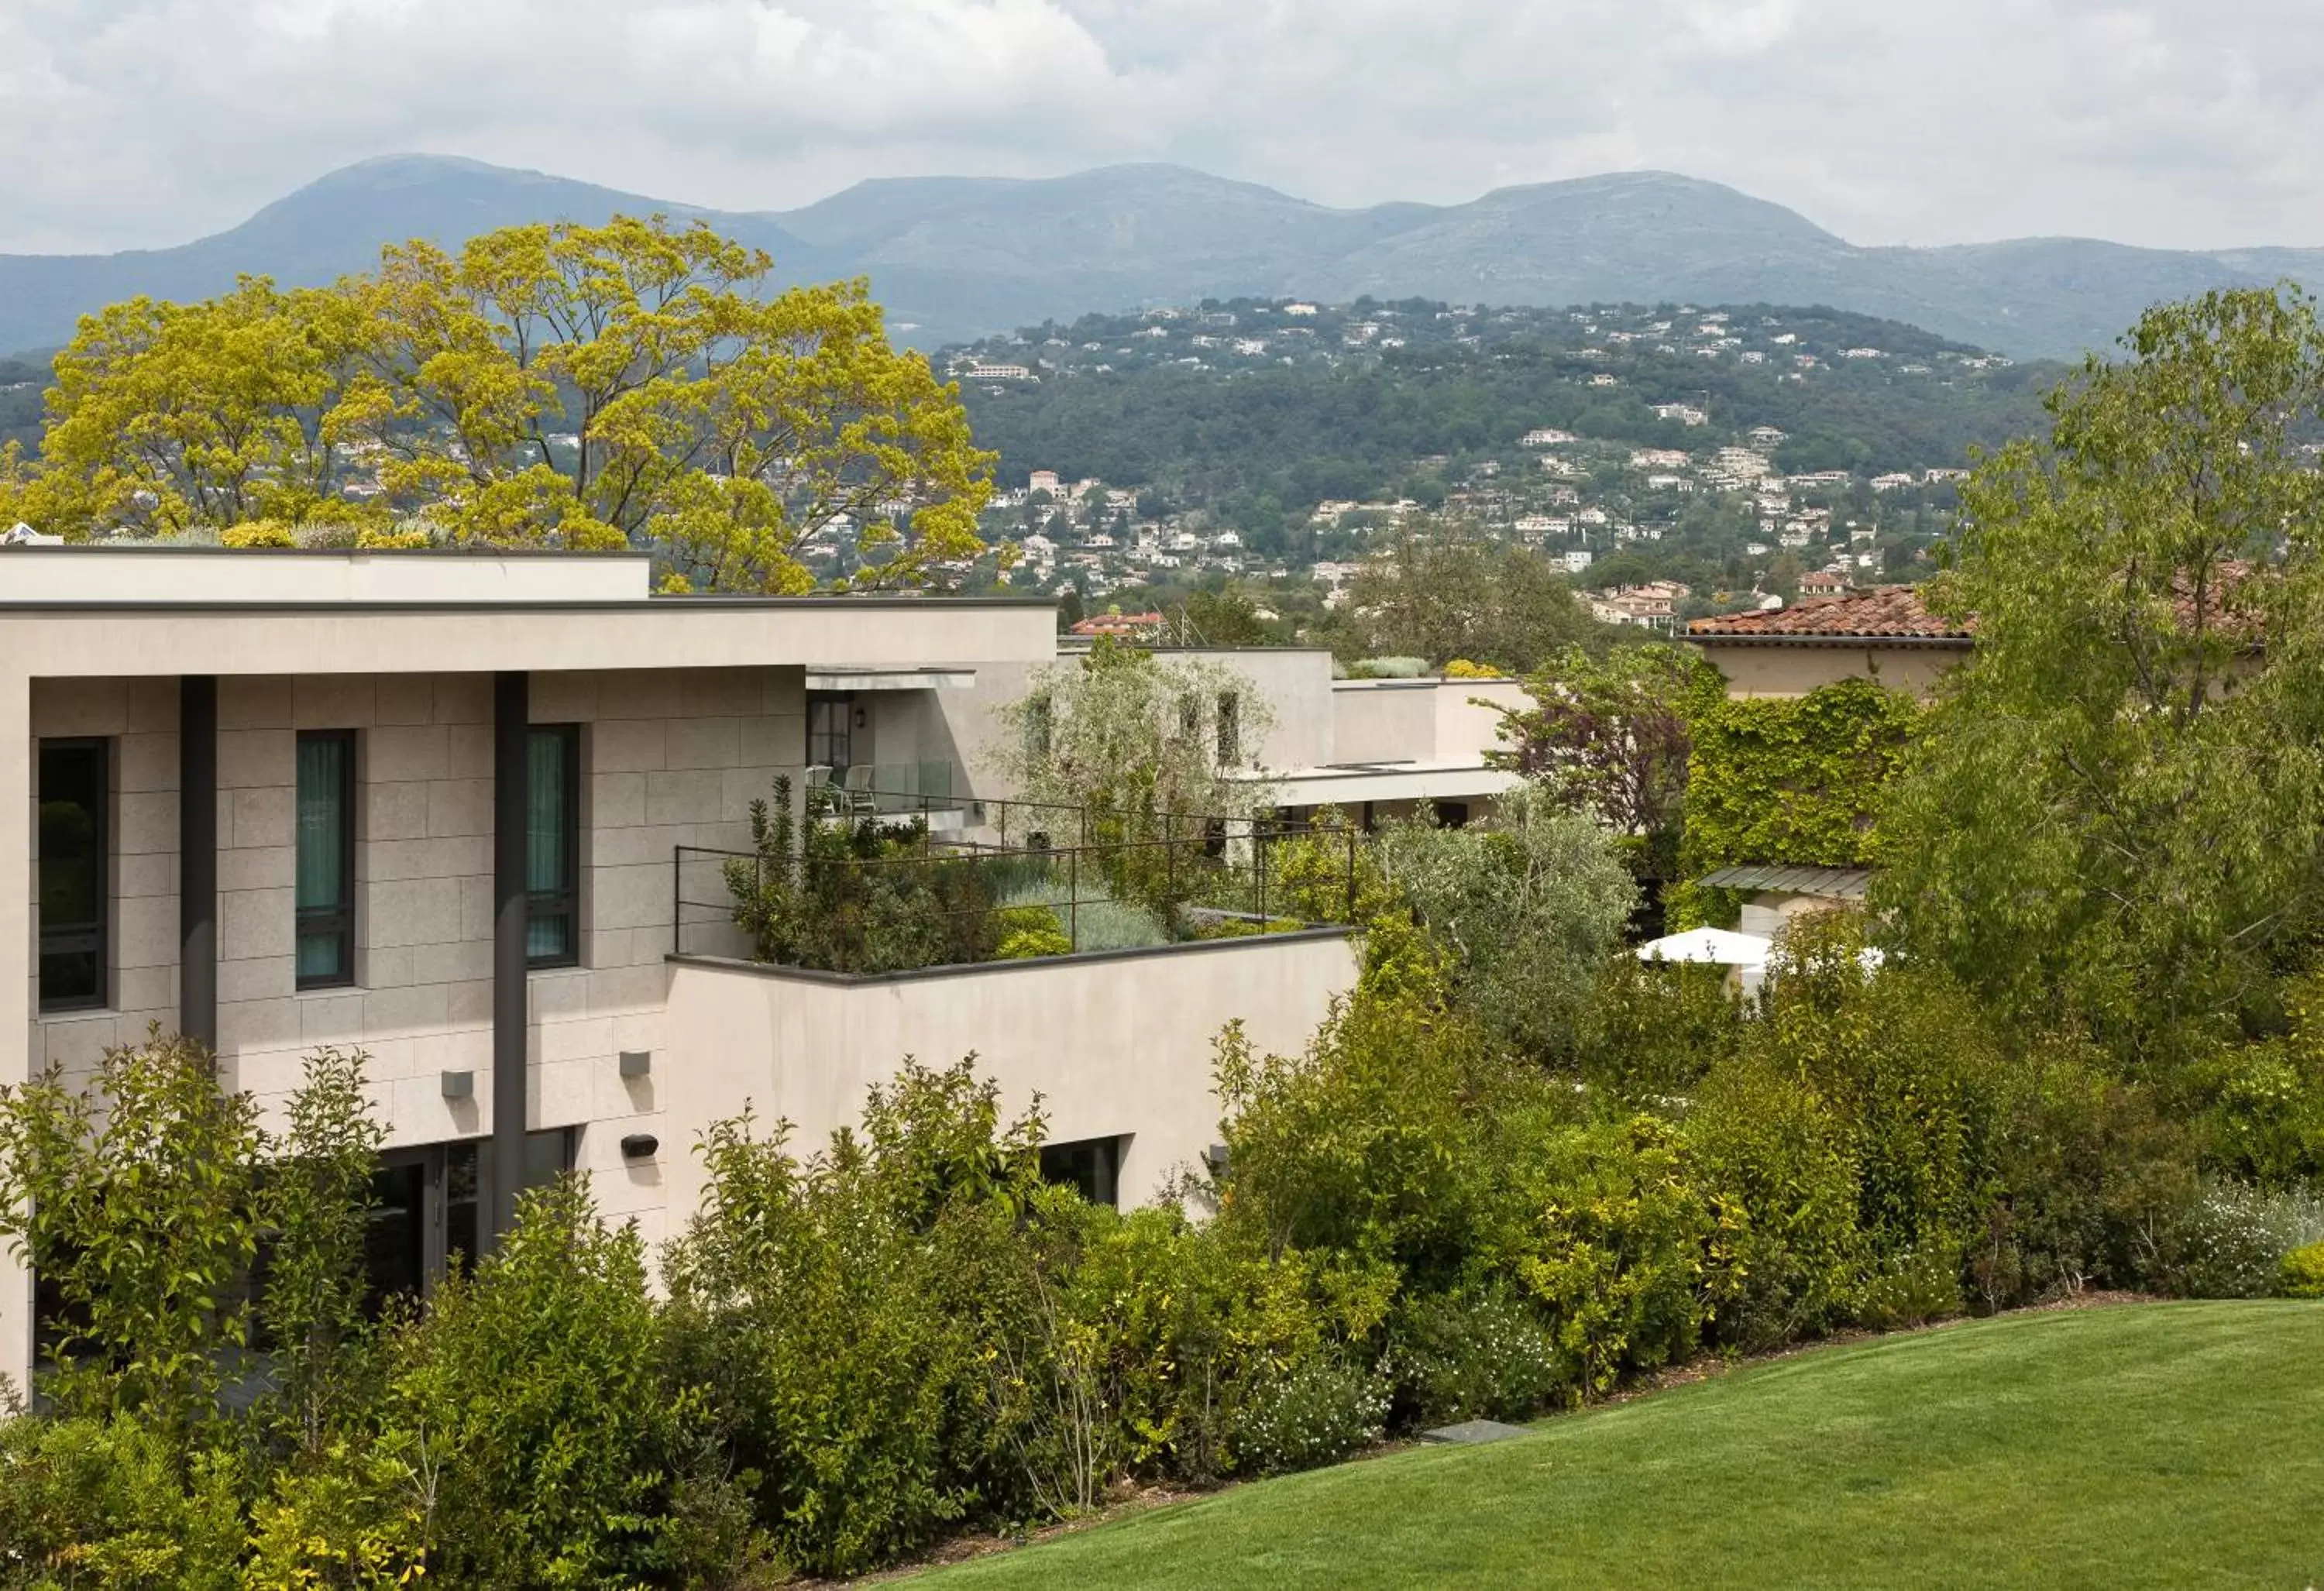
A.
pixel 1881 612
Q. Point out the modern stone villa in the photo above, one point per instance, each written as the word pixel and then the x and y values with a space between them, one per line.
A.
pixel 431 806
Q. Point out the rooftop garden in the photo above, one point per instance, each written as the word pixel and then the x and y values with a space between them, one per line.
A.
pixel 838 891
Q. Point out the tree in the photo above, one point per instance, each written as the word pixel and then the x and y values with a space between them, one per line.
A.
pixel 548 386
pixel 1439 592
pixel 1608 738
pixel 1226 618
pixel 1145 749
pixel 2117 805
pixel 1526 907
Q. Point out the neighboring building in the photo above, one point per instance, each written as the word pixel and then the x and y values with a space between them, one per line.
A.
pixel 1824 583
pixel 1146 626
pixel 1883 634
pixel 438 806
pixel 1886 635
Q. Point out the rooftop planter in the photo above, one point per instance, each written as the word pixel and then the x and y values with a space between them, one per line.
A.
pixel 834 891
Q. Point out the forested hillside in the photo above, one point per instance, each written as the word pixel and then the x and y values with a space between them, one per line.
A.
pixel 1231 403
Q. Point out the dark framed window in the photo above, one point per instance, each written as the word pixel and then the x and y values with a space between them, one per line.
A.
pixel 1092 1166
pixel 552 851
pixel 76 886
pixel 830 732
pixel 428 1207
pixel 1230 728
pixel 326 862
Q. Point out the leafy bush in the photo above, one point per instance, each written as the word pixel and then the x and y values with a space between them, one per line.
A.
pixel 2302 1274
pixel 1316 1411
pixel 2231 1240
pixel 843 1314
pixel 1602 1227
pixel 1526 909
pixel 2261 1112
pixel 855 894
pixel 1477 1354
pixel 1649 1032
pixel 1784 1257
pixel 1027 944
pixel 135 1198
pixel 114 1502
pixel 530 1387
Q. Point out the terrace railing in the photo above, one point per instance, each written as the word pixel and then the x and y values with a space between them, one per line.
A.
pixel 888 897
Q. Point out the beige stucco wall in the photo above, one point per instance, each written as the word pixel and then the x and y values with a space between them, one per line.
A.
pixel 669 758
pixel 1111 1044
pixel 1794 671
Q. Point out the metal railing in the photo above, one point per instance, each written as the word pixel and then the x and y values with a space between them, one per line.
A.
pixel 875 897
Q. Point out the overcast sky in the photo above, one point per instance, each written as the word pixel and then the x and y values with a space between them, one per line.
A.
pixel 2177 123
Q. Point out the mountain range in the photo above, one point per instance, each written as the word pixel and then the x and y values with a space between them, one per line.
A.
pixel 958 258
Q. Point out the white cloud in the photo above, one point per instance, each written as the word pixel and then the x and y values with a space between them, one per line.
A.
pixel 2167 121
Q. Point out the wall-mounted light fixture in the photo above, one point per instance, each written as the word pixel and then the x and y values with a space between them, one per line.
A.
pixel 459 1085
pixel 636 1063
pixel 640 1146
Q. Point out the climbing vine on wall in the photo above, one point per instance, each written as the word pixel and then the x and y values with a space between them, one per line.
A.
pixel 1786 779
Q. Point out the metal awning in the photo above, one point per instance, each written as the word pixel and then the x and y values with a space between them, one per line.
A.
pixel 1831 883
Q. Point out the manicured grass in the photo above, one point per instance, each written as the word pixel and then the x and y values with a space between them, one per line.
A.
pixel 2176 1445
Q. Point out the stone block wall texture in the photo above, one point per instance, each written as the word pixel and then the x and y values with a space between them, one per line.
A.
pixel 668 757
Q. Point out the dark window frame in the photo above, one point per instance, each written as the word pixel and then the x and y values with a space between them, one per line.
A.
pixel 101 929
pixel 1230 728
pixel 843 703
pixel 340 919
pixel 543 905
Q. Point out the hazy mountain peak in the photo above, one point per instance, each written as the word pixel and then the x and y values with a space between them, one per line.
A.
pixel 955 258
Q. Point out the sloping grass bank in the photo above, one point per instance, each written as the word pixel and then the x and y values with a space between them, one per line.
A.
pixel 2174 1444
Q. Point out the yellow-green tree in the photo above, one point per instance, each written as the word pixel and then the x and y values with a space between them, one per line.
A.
pixel 551 385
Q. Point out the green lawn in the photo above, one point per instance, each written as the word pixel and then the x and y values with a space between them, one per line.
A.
pixel 2174 1445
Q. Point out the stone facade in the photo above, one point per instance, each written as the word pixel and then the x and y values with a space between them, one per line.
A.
pixel 669 758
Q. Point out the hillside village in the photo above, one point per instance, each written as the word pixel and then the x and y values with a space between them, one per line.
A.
pixel 1662 450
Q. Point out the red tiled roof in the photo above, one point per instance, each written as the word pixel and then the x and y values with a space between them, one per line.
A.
pixel 1890 612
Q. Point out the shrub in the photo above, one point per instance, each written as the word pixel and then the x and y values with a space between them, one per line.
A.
pixel 1909 1064
pixel 1316 1411
pixel 843 1313
pixel 1372 1145
pixel 1477 1354
pixel 1778 1177
pixel 1028 943
pixel 2260 1114
pixel 1526 909
pixel 1649 1032
pixel 1097 922
pixel 2302 1274
pixel 1602 1227
pixel 257 533
pixel 114 1502
pixel 134 1199
pixel 530 1386
pixel 2231 1240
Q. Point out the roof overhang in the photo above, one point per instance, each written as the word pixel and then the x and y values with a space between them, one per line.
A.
pixel 1388 781
pixel 830 678
pixel 1942 643
pixel 876 634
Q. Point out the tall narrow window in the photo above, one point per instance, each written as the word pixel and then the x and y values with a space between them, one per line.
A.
pixel 552 858
pixel 1229 730
pixel 75 879
pixel 325 865
pixel 830 732
pixel 1040 723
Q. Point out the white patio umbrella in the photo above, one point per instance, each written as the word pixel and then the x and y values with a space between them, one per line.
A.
pixel 1718 947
